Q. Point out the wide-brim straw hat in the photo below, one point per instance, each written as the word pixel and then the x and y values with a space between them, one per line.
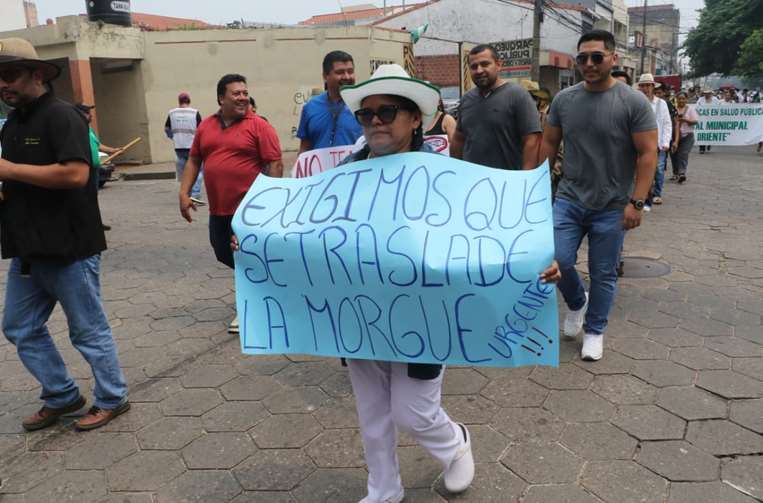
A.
pixel 529 85
pixel 394 80
pixel 542 94
pixel 20 51
pixel 646 78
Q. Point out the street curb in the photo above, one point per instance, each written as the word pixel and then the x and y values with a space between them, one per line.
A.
pixel 148 175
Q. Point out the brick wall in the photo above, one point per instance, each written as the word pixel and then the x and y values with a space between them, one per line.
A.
pixel 441 71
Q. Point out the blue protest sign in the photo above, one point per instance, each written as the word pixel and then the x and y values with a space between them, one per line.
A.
pixel 413 257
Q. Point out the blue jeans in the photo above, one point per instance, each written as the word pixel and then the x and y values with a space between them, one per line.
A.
pixel 659 175
pixel 604 228
pixel 182 158
pixel 29 300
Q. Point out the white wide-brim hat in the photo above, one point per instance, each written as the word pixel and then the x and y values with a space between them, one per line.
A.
pixel 394 80
pixel 646 78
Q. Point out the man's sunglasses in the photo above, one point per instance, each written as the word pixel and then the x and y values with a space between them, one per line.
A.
pixel 596 58
pixel 386 114
pixel 11 73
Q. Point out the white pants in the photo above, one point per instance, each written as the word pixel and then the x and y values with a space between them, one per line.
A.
pixel 387 401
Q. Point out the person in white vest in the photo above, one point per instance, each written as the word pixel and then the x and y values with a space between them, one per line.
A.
pixel 180 128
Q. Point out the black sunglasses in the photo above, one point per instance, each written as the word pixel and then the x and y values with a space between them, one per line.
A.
pixel 597 58
pixel 12 72
pixel 385 113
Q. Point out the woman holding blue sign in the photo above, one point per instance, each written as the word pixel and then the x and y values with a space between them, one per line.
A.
pixel 390 396
pixel 391 107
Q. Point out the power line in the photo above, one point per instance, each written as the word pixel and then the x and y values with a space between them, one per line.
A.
pixel 571 21
pixel 563 20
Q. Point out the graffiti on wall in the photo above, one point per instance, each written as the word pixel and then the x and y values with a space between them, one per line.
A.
pixel 374 64
pixel 409 60
pixel 301 96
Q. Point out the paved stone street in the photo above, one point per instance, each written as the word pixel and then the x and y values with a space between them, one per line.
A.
pixel 673 413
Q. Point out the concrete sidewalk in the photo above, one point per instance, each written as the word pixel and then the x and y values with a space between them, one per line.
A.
pixel 673 413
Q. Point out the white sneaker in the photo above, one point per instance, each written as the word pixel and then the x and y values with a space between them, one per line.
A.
pixel 233 327
pixel 593 347
pixel 395 499
pixel 459 476
pixel 573 322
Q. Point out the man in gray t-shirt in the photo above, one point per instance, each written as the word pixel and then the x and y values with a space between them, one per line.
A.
pixel 610 135
pixel 599 154
pixel 498 123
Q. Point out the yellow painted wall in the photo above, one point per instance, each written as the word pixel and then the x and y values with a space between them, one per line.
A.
pixel 282 67
pixel 121 106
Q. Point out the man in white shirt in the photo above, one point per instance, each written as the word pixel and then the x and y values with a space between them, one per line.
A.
pixel 664 132
pixel 180 127
pixel 706 100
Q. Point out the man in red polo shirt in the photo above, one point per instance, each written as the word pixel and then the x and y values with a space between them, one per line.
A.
pixel 235 146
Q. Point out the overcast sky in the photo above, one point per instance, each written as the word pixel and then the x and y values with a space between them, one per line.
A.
pixel 284 11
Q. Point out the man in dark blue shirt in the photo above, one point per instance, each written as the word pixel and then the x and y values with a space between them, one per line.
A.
pixel 326 121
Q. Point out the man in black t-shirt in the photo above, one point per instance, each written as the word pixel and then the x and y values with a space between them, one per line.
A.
pixel 50 228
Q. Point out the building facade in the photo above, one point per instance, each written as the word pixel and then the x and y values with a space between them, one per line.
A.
pixel 133 76
pixel 455 25
pixel 355 15
pixel 661 38
pixel 30 13
pixel 620 31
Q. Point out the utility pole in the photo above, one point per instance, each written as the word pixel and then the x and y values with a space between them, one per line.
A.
pixel 537 20
pixel 673 54
pixel 643 39
pixel 461 75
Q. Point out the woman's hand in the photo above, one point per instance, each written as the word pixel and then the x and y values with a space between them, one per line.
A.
pixel 552 274
pixel 234 243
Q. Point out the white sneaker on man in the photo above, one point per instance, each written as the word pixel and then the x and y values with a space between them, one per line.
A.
pixel 573 322
pixel 395 499
pixel 593 347
pixel 459 476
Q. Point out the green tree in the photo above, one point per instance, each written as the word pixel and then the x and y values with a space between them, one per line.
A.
pixel 750 62
pixel 724 25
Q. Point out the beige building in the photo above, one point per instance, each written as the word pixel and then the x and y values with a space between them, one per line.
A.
pixel 620 30
pixel 30 13
pixel 134 76
pixel 662 29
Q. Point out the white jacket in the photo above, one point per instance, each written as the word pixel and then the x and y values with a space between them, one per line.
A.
pixel 702 102
pixel 664 122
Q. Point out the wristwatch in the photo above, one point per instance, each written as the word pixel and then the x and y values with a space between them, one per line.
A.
pixel 638 204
